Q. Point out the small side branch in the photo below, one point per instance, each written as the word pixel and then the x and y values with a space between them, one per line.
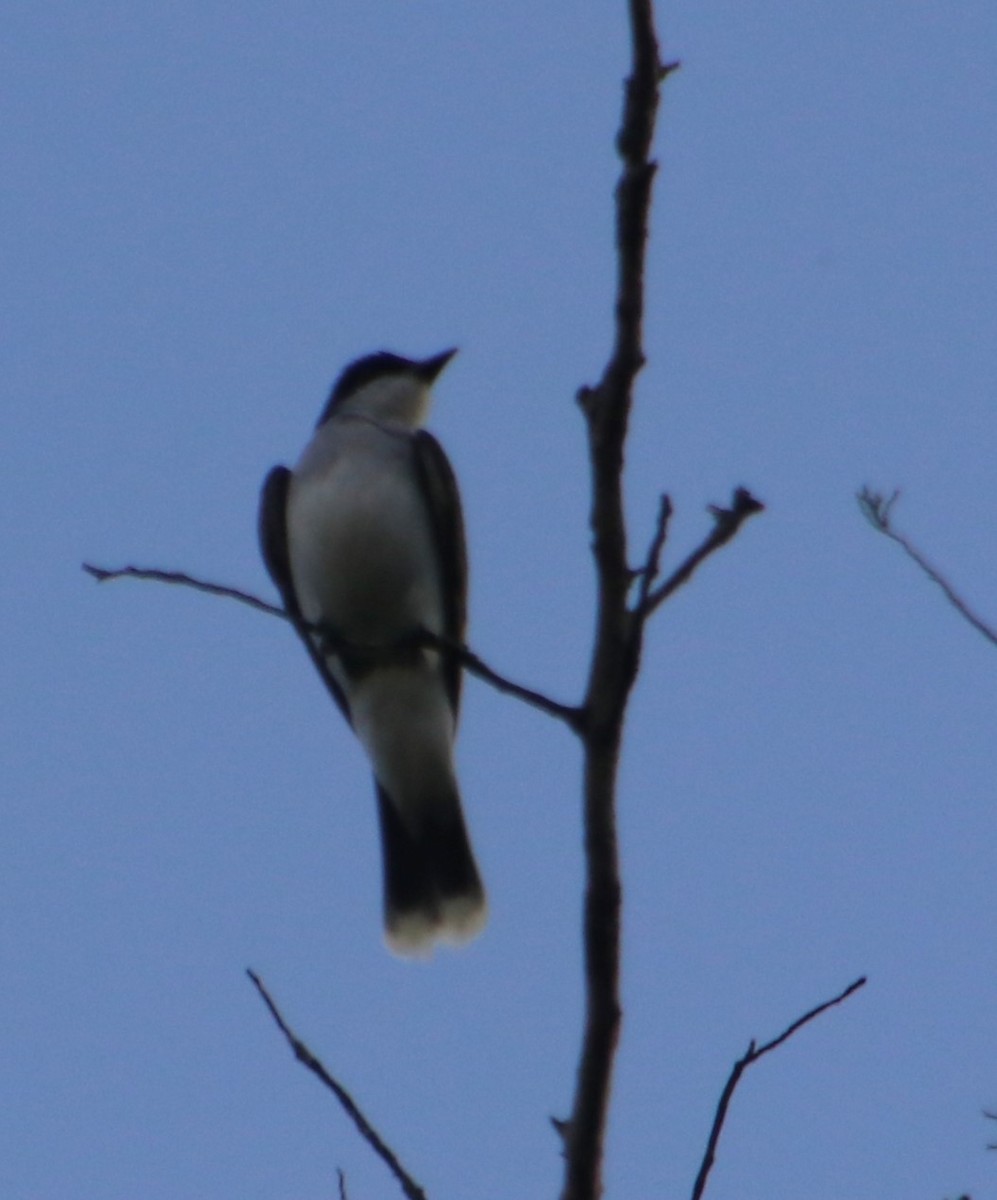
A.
pixel 752 1055
pixel 103 575
pixel 727 523
pixel 647 575
pixel 367 1131
pixel 572 715
pixel 876 509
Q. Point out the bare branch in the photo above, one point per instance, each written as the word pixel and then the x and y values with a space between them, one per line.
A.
pixel 619 629
pixel 649 572
pixel 752 1055
pixel 990 1117
pixel 367 1131
pixel 727 522
pixel 876 509
pixel 572 715
pixel 102 575
pixel 615 654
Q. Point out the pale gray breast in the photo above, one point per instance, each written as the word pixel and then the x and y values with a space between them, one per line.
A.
pixel 362 552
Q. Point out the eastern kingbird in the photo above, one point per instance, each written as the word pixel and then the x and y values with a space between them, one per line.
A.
pixel 365 539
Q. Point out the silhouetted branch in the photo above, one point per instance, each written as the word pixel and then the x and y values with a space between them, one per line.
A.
pixel 990 1117
pixel 570 714
pixel 876 509
pixel 752 1055
pixel 649 572
pixel 103 575
pixel 727 522
pixel 367 1131
pixel 616 649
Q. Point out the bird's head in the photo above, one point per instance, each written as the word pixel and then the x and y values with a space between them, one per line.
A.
pixel 386 387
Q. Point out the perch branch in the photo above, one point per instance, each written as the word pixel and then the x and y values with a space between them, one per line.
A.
pixel 367 1131
pixel 102 575
pixel 752 1055
pixel 876 509
pixel 570 714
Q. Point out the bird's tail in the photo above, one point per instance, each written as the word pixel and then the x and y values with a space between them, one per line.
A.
pixel 432 889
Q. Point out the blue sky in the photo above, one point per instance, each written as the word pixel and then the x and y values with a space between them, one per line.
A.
pixel 207 212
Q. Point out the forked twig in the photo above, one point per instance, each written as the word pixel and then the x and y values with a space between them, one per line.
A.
pixel 876 509
pixel 752 1055
pixel 726 523
pixel 367 1131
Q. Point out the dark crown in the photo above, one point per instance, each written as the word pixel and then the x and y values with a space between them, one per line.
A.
pixel 375 366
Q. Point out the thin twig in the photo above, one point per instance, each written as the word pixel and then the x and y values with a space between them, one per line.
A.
pixel 342 1183
pixel 367 1131
pixel 649 572
pixel 102 575
pixel 727 522
pixel 990 1117
pixel 572 715
pixel 876 509
pixel 752 1055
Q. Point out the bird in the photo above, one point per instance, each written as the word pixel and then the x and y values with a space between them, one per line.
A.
pixel 364 540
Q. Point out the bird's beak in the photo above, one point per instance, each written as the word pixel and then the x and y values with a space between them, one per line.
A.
pixel 430 368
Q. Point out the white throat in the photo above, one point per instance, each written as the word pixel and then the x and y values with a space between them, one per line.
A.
pixel 402 399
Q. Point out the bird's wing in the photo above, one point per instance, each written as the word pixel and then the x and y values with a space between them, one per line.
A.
pixel 439 486
pixel 273 545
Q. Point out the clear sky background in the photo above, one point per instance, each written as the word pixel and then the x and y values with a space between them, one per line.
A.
pixel 207 210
